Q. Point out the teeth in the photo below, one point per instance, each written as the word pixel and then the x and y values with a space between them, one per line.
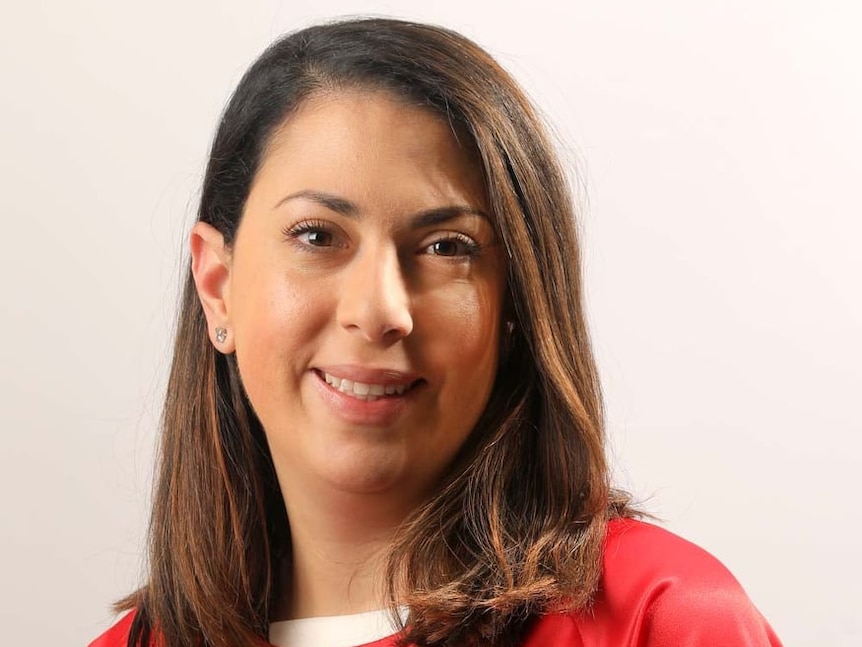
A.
pixel 362 391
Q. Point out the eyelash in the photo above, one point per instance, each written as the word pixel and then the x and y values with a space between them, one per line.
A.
pixel 294 232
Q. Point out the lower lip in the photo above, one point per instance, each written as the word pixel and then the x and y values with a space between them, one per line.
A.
pixel 380 412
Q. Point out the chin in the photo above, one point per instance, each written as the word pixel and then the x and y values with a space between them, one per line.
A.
pixel 368 471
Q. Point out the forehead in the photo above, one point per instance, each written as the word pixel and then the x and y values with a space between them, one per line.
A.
pixel 369 141
pixel 342 114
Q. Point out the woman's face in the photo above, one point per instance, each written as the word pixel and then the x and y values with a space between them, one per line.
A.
pixel 364 296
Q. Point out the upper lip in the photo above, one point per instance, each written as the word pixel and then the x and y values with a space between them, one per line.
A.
pixel 368 375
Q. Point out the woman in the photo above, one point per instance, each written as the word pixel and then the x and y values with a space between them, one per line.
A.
pixel 383 403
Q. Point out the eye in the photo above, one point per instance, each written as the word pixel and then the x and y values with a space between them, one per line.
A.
pixel 453 246
pixel 315 237
pixel 310 233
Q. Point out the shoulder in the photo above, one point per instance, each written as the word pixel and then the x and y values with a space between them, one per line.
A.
pixel 117 635
pixel 638 553
pixel 659 590
pixel 674 592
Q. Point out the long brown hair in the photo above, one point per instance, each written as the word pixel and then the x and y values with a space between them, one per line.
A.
pixel 517 524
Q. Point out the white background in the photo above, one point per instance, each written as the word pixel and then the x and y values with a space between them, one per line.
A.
pixel 718 149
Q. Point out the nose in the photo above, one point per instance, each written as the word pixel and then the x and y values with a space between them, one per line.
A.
pixel 375 301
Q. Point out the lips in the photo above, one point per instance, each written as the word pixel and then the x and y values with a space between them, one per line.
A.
pixel 366 396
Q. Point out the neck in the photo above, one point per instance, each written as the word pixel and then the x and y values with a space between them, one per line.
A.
pixel 339 547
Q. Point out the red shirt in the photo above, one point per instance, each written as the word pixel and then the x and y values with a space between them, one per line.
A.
pixel 657 590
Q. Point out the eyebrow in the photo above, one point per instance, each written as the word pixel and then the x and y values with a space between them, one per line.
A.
pixel 344 207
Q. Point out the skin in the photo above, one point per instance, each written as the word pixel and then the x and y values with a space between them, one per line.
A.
pixel 365 251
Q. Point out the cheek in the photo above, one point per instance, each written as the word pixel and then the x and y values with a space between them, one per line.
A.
pixel 466 333
pixel 276 323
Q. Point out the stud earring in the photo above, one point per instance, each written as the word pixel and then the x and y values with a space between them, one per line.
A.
pixel 221 335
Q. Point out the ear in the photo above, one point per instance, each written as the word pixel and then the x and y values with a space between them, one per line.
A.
pixel 211 262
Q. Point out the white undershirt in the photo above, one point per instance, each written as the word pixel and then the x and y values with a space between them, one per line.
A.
pixel 333 631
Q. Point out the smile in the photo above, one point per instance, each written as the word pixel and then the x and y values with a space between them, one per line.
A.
pixel 363 390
